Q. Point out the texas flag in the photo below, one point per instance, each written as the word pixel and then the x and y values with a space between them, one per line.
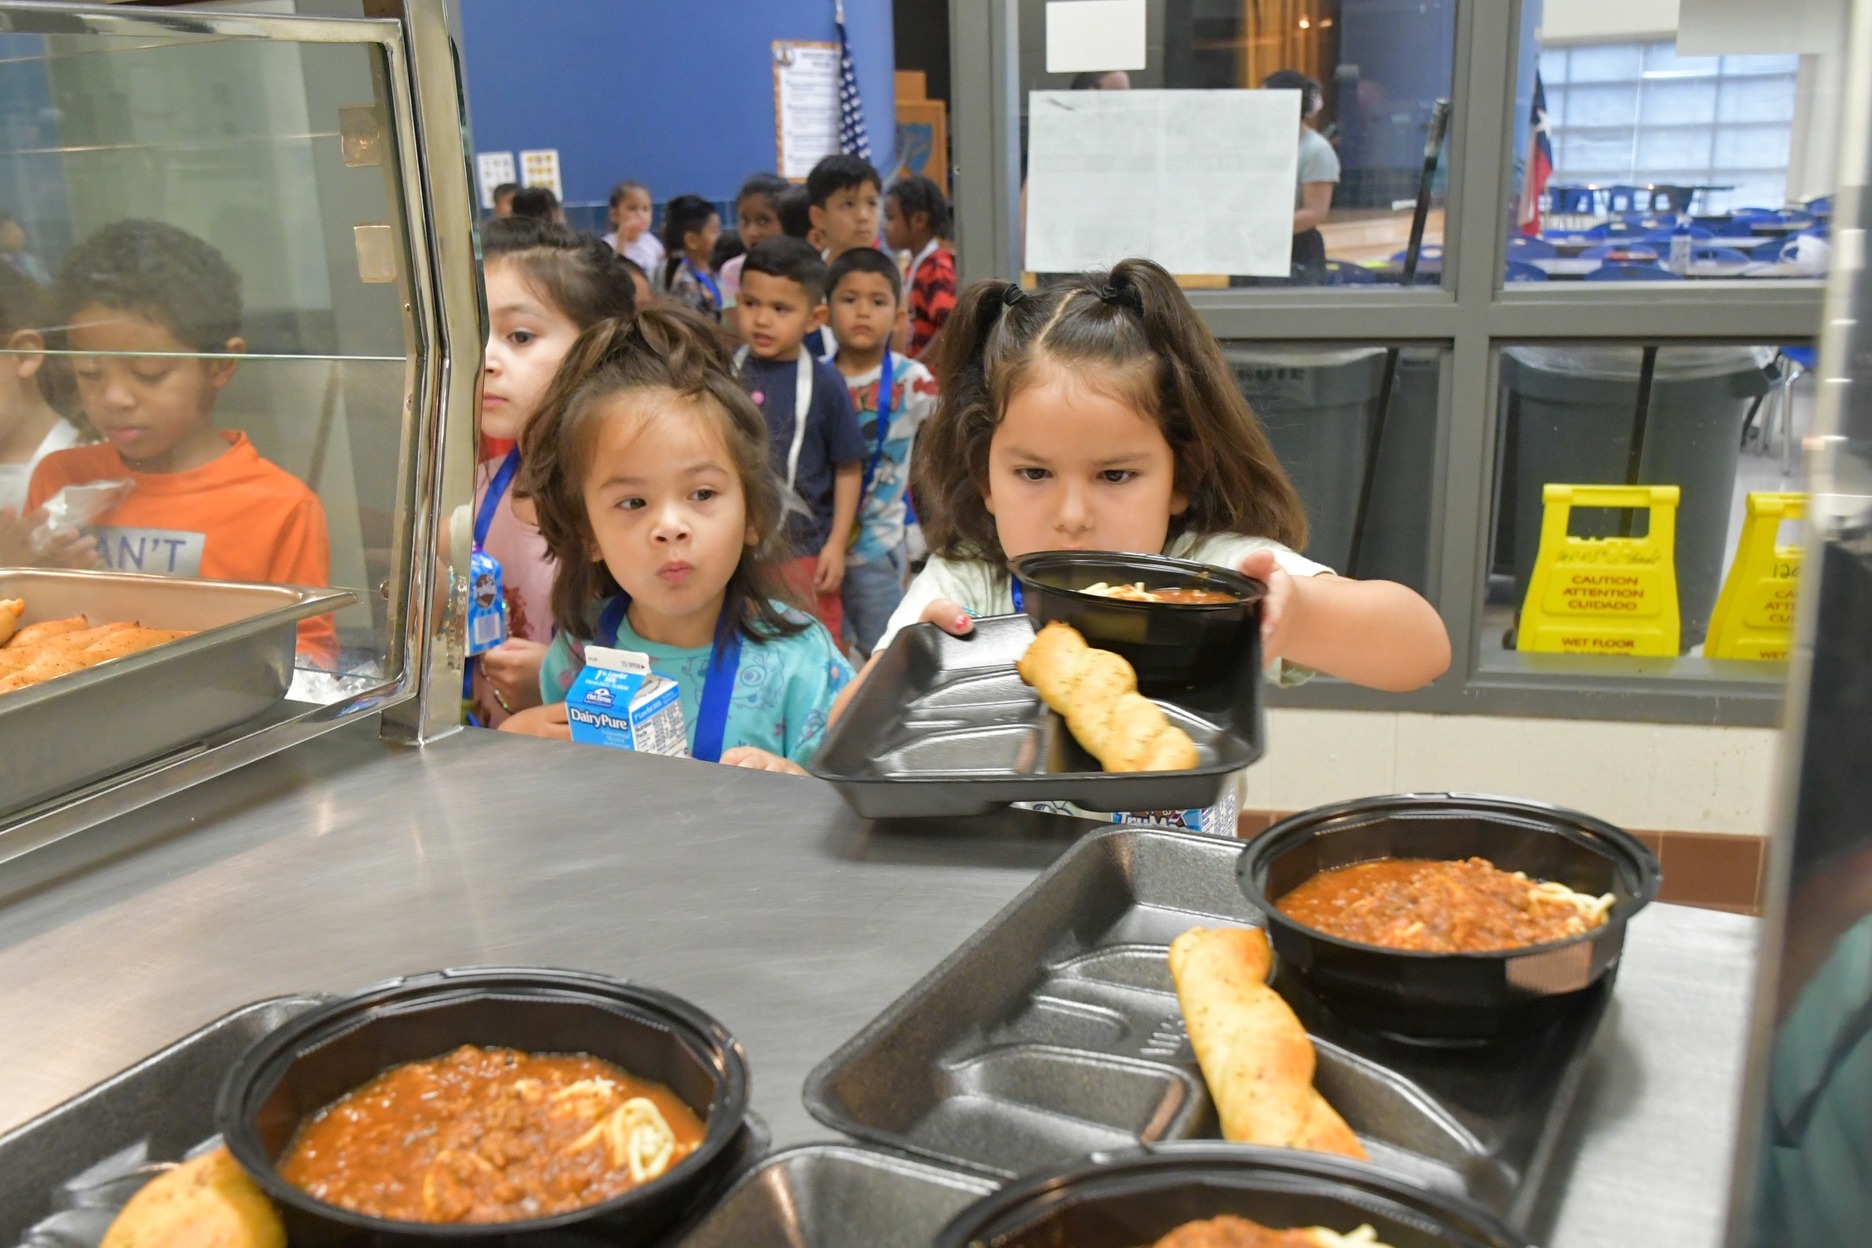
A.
pixel 1540 165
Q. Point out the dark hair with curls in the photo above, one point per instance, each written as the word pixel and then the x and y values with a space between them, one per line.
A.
pixel 916 194
pixel 535 201
pixel 686 214
pixel 153 270
pixel 1137 331
pixel 580 275
pixel 668 350
pixel 791 258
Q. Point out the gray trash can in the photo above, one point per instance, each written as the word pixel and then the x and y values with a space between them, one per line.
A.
pixel 1317 408
pixel 1575 408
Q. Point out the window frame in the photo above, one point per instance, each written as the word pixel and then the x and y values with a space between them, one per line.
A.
pixel 1471 315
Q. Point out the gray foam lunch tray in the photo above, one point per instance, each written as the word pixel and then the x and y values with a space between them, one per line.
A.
pixel 944 726
pixel 838 1196
pixel 65 1175
pixel 1055 1032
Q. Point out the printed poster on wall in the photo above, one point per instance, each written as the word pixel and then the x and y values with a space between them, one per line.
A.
pixel 540 167
pixel 806 105
pixel 1199 181
pixel 494 169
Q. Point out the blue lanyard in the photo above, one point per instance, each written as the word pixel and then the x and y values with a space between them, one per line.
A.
pixel 1015 586
pixel 484 519
pixel 497 490
pixel 717 687
pixel 884 397
pixel 708 283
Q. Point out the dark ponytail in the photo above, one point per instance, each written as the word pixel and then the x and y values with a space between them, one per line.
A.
pixel 1135 323
pixel 672 349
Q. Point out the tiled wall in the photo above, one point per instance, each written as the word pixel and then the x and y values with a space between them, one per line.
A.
pixel 1700 796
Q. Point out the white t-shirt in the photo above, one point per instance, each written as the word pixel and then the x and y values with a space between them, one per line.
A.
pixel 15 478
pixel 983 589
pixel 647 250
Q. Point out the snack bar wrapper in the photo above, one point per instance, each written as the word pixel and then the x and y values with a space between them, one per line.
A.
pixel 76 506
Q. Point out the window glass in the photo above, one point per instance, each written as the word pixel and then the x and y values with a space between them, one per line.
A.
pixel 1320 408
pixel 1377 72
pixel 1720 424
pixel 203 288
pixel 1629 147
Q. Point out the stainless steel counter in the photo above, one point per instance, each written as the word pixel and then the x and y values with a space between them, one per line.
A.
pixel 757 896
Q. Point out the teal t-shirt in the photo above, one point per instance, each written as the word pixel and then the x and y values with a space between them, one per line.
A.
pixel 782 692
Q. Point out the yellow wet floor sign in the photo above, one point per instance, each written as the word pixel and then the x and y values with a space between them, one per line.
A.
pixel 1603 595
pixel 1754 617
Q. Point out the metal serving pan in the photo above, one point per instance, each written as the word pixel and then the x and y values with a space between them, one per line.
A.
pixel 945 726
pixel 1055 1032
pixel 135 709
pixel 838 1196
pixel 66 1174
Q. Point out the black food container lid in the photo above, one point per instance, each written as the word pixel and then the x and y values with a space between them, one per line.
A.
pixel 317 1057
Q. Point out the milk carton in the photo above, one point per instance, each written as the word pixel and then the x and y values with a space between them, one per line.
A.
pixel 618 701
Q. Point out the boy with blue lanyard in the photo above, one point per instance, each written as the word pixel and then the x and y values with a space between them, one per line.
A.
pixel 893 396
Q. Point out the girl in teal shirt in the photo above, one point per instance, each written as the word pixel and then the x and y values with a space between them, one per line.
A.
pixel 647 466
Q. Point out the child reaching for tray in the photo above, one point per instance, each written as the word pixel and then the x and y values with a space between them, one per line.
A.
pixel 648 468
pixel 1101 415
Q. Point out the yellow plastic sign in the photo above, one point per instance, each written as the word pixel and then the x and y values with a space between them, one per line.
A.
pixel 1754 617
pixel 1603 595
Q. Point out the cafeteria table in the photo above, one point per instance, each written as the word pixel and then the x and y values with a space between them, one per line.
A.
pixel 760 897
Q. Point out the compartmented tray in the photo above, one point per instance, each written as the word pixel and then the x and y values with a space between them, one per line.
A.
pixel 838 1196
pixel 65 1175
pixel 945 726
pixel 1055 1032
pixel 134 709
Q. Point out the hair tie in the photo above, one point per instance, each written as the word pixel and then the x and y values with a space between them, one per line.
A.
pixel 1121 296
pixel 1012 294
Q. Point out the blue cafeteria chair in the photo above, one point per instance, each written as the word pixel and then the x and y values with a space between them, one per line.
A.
pixel 1719 255
pixel 1524 247
pixel 1521 271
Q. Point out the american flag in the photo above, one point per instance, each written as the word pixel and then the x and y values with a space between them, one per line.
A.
pixel 853 139
pixel 1540 165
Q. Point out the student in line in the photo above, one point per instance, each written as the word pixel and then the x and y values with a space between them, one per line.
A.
pixel 757 219
pixel 630 210
pixel 649 470
pixel 690 228
pixel 812 429
pixel 893 395
pixel 916 220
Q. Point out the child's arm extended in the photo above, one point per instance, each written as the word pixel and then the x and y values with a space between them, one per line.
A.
pixel 1374 633
pixel 949 616
pixel 845 489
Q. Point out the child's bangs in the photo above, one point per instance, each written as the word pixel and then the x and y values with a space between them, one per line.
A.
pixel 1133 384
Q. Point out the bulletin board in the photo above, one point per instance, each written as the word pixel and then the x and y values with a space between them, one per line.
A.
pixel 806 105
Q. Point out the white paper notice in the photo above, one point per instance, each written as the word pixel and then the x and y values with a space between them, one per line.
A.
pixel 493 169
pixel 540 167
pixel 806 104
pixel 1094 34
pixel 1199 181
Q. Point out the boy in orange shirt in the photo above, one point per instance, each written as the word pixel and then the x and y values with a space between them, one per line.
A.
pixel 143 295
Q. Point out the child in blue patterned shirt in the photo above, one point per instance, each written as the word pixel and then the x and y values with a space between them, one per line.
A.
pixel 648 467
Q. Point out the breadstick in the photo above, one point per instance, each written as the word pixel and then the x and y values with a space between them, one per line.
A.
pixel 10 611
pixel 1255 1055
pixel 1096 692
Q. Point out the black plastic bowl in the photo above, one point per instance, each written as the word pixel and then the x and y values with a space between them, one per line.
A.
pixel 1133 1198
pixel 1449 996
pixel 313 1059
pixel 1172 645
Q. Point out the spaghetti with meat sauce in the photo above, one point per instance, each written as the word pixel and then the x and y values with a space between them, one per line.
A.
pixel 1435 906
pixel 490 1135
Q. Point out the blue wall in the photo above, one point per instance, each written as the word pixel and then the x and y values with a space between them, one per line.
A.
pixel 674 93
